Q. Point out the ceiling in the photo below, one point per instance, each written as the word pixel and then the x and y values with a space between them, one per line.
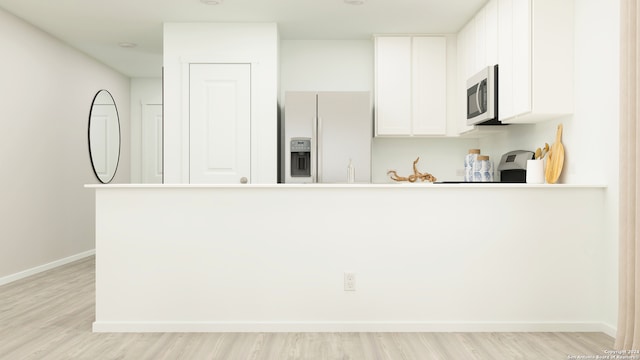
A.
pixel 97 27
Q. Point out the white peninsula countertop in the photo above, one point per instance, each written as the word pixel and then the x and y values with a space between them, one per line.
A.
pixel 348 186
pixel 426 257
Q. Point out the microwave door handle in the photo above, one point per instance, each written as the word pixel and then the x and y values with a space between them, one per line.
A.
pixel 482 97
pixel 478 94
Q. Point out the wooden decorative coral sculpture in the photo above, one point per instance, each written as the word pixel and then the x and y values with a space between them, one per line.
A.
pixel 417 175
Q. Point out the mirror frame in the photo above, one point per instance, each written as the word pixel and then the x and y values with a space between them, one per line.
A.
pixel 93 167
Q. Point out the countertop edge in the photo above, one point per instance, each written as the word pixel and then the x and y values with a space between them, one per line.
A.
pixel 346 186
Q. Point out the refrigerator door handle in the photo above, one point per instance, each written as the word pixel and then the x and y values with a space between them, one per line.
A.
pixel 314 149
pixel 319 150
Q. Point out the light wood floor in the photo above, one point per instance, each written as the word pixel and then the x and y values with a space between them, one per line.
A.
pixel 49 316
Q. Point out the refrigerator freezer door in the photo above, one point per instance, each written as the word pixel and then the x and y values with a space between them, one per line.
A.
pixel 299 120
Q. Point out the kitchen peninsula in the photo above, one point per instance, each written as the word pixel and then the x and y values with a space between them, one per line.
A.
pixel 459 257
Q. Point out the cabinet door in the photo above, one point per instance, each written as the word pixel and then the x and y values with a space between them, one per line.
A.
pixel 393 86
pixel 466 63
pixel 505 59
pixel 491 33
pixel 486 36
pixel 469 50
pixel 480 41
pixel 219 123
pixel 429 108
pixel 521 57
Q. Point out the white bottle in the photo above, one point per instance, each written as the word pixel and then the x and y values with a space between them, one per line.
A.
pixel 351 173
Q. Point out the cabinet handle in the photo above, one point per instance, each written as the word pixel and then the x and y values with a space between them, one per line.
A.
pixel 243 180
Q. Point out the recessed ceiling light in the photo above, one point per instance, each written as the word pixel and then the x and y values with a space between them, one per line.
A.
pixel 354 2
pixel 211 2
pixel 127 44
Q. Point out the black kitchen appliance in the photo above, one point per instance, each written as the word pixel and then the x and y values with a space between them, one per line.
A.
pixel 513 166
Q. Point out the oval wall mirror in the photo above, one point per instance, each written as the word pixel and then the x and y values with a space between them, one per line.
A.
pixel 104 136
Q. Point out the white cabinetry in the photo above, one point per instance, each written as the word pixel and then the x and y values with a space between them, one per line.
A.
pixel 490 33
pixel 480 43
pixel 505 58
pixel 532 42
pixel 535 44
pixel 482 32
pixel 393 86
pixel 477 49
pixel 410 85
pixel 466 67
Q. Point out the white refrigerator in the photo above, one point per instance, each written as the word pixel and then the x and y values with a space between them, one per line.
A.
pixel 323 133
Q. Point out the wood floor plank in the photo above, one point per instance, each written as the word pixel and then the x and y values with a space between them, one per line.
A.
pixel 49 316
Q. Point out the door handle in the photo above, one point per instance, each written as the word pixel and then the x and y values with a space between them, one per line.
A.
pixel 478 96
pixel 482 96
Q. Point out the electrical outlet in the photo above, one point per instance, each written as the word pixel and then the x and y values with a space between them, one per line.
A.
pixel 349 281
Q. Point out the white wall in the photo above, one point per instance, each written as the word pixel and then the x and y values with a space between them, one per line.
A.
pixel 46 93
pixel 597 116
pixel 144 91
pixel 326 65
pixel 442 158
pixel 186 43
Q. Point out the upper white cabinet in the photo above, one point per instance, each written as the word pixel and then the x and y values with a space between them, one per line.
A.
pixel 411 81
pixel 477 49
pixel 535 55
pixel 490 12
pixel 532 43
pixel 393 85
pixel 466 52
pixel 481 39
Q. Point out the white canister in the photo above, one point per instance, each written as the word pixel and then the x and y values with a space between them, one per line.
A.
pixel 469 161
pixel 489 172
pixel 483 169
pixel 535 171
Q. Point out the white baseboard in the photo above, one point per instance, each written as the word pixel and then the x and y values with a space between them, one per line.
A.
pixel 38 269
pixel 121 326
pixel 609 330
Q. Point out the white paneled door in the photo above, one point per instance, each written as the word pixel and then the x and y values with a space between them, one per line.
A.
pixel 104 132
pixel 152 144
pixel 220 123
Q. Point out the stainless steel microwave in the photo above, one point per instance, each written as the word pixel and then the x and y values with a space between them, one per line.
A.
pixel 482 97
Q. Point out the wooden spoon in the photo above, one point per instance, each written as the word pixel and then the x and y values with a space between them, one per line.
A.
pixel 545 150
pixel 556 159
pixel 538 154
